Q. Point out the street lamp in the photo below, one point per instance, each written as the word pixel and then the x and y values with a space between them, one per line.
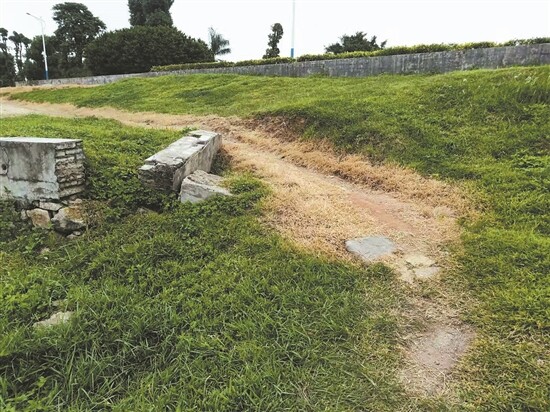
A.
pixel 293 24
pixel 41 20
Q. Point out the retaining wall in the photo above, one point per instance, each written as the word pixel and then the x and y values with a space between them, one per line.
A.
pixel 438 62
pixel 40 169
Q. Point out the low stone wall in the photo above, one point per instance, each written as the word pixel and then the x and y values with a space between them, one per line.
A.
pixel 39 169
pixel 438 62
pixel 166 169
pixel 43 176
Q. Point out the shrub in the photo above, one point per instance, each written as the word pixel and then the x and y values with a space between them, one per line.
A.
pixel 535 40
pixel 271 60
pixel 390 51
pixel 139 48
pixel 7 70
pixel 189 66
pixel 420 48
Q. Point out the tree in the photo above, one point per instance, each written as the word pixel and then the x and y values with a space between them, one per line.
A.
pixel 7 70
pixel 7 64
pixel 150 12
pixel 77 27
pixel 273 42
pixel 19 41
pixel 355 42
pixel 33 68
pixel 3 40
pixel 218 44
pixel 137 14
pixel 137 49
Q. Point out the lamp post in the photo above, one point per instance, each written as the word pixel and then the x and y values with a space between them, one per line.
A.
pixel 293 24
pixel 41 20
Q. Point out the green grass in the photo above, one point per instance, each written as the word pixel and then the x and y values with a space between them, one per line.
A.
pixel 488 129
pixel 198 307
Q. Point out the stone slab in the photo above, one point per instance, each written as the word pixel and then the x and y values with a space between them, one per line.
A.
pixel 371 248
pixel 166 169
pixel 56 319
pixel 200 186
pixel 38 140
pixel 417 261
pixel 51 206
pixel 426 272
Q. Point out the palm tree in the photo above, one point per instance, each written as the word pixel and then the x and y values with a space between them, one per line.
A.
pixel 218 45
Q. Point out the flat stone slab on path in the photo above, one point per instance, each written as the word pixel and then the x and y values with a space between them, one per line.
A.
pixel 371 248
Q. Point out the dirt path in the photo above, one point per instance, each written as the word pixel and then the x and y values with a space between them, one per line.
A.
pixel 320 211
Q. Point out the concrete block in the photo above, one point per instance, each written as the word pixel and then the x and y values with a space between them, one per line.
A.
pixel 31 168
pixel 166 169
pixel 200 186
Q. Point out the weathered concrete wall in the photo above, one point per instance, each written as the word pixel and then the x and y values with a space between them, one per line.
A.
pixel 166 169
pixel 439 62
pixel 40 169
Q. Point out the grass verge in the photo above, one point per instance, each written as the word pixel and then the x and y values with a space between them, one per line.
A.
pixel 488 129
pixel 197 307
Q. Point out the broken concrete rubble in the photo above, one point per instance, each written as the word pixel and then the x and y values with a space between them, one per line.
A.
pixel 39 218
pixel 418 267
pixel 166 169
pixel 69 219
pixel 200 186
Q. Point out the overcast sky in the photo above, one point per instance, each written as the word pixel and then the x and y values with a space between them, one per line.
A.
pixel 246 23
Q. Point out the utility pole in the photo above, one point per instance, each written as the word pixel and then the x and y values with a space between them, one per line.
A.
pixel 42 24
pixel 293 28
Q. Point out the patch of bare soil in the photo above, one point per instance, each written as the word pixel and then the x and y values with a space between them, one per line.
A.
pixel 321 198
pixel 432 355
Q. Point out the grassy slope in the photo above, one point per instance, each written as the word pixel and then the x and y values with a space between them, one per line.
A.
pixel 490 128
pixel 198 307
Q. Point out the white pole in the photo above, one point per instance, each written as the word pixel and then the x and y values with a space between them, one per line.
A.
pixel 41 20
pixel 293 27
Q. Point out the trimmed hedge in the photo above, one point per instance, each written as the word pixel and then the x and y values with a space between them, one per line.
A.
pixel 260 62
pixel 420 48
pixel 215 65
